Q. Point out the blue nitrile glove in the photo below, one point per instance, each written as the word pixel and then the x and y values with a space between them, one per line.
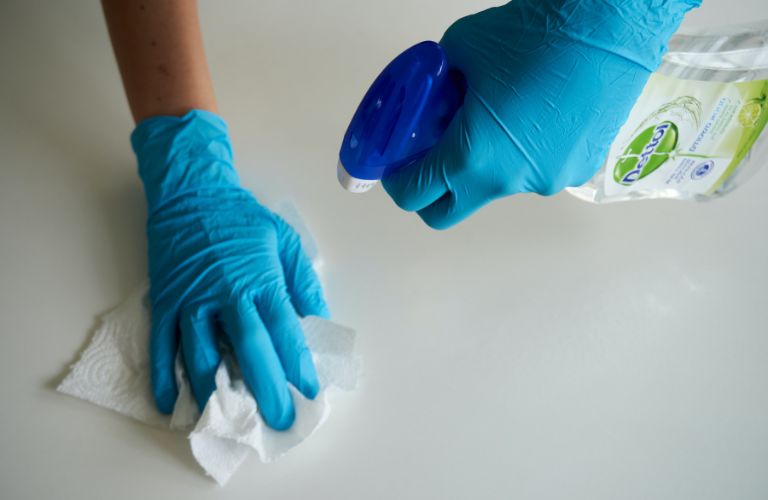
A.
pixel 221 264
pixel 549 84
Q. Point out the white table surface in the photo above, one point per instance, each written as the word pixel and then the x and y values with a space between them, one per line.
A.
pixel 545 349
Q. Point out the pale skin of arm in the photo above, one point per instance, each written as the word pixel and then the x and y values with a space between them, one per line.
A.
pixel 159 50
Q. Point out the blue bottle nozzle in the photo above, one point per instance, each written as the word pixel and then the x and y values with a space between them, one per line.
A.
pixel 403 114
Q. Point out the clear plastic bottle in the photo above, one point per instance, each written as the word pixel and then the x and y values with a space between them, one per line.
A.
pixel 699 130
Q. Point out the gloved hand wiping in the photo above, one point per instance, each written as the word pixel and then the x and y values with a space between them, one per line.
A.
pixel 221 264
pixel 549 84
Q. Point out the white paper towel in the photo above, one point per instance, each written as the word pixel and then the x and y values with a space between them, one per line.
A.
pixel 113 372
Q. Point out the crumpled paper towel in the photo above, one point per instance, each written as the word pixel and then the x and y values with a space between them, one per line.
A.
pixel 113 372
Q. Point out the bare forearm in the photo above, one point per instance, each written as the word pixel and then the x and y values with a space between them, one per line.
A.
pixel 159 49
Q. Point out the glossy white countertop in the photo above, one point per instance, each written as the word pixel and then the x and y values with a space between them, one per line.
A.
pixel 545 349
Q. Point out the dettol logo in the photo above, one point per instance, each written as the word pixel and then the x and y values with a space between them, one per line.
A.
pixel 647 152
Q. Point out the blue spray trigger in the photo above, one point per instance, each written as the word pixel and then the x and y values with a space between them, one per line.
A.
pixel 403 114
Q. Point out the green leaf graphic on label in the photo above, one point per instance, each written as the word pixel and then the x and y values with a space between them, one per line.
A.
pixel 647 152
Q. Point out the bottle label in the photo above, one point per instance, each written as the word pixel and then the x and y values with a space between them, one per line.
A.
pixel 686 136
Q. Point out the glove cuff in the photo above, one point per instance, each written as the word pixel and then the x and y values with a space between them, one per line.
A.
pixel 177 155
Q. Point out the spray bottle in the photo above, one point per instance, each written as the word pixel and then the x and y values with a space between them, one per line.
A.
pixel 711 90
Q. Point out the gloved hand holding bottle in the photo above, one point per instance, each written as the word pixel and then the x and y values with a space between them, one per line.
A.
pixel 549 84
pixel 222 267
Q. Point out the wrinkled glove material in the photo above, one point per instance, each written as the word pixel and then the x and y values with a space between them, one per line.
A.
pixel 549 85
pixel 225 272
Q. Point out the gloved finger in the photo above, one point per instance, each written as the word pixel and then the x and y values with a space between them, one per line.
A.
pixel 453 208
pixel 261 368
pixel 421 183
pixel 288 338
pixel 198 348
pixel 163 343
pixel 304 288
